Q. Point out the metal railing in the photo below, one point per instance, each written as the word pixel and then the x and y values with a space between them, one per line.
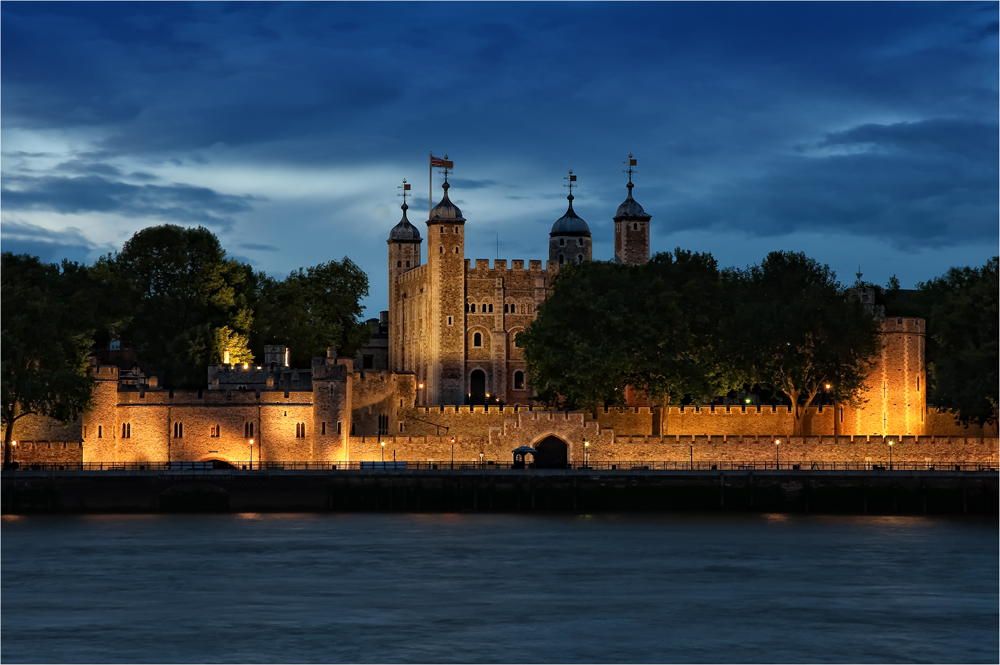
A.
pixel 722 465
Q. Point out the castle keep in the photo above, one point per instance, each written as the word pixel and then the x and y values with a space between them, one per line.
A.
pixel 451 383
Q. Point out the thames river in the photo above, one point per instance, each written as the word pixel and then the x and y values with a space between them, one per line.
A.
pixel 498 588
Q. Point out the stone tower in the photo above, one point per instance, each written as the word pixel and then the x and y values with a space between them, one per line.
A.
pixel 404 255
pixel 631 229
pixel 570 240
pixel 446 303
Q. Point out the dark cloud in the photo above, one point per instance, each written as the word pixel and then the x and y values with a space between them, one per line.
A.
pixel 89 168
pixel 95 194
pixel 929 183
pixel 50 246
pixel 257 247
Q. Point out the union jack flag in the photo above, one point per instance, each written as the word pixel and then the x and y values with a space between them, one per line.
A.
pixel 437 162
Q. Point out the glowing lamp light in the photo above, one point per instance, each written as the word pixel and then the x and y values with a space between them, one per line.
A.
pixel 827 386
pixel 586 444
pixel 420 386
pixel 383 443
pixel 747 400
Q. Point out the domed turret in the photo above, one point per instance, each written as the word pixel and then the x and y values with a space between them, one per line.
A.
pixel 631 227
pixel 630 208
pixel 569 240
pixel 404 231
pixel 570 224
pixel 446 211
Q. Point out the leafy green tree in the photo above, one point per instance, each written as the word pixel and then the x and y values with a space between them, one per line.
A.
pixel 46 340
pixel 794 328
pixel 606 326
pixel 237 346
pixel 182 290
pixel 674 342
pixel 311 309
pixel 576 349
pixel 961 310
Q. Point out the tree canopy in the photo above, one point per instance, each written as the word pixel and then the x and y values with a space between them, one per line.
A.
pixel 678 329
pixel 609 326
pixel 312 309
pixel 793 327
pixel 48 326
pixel 183 291
pixel 962 312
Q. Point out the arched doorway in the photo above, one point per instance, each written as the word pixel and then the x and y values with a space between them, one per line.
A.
pixel 551 453
pixel 477 387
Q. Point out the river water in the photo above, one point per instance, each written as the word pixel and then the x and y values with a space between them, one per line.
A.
pixel 498 588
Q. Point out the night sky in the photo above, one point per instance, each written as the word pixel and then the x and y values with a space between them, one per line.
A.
pixel 857 133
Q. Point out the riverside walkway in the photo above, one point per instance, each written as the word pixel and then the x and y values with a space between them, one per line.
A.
pixel 819 487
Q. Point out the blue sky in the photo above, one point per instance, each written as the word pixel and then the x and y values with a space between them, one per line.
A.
pixel 858 133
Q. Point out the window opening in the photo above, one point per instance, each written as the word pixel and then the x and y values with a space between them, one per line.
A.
pixel 477 339
pixel 518 380
pixel 399 264
pixel 560 259
pixel 178 430
pixel 407 264
pixel 126 430
pixel 491 308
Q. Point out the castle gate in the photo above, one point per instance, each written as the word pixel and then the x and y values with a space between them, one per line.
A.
pixel 551 453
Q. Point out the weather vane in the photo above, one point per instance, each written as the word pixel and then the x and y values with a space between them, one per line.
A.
pixel 406 188
pixel 572 179
pixel 447 165
pixel 631 161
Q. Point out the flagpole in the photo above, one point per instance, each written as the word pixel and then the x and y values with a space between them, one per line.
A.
pixel 430 185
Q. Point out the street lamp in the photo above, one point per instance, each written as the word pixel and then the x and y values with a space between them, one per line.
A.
pixel 481 460
pixel 383 454
pixel 777 457
pixel 586 452
pixel 453 452
pixel 251 454
pixel 890 454
pixel 13 453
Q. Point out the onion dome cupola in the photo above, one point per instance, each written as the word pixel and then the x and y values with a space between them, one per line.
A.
pixel 445 211
pixel 404 231
pixel 404 245
pixel 570 239
pixel 631 226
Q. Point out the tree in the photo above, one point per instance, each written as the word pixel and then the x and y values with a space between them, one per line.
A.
pixel 46 340
pixel 577 349
pixel 675 336
pixel 182 291
pixel 607 326
pixel 961 310
pixel 312 309
pixel 792 327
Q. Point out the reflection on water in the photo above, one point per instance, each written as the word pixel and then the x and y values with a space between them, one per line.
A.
pixel 498 588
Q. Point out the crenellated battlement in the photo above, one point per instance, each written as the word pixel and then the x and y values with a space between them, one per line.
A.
pixel 482 269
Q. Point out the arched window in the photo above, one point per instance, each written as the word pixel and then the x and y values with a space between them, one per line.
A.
pixel 407 264
pixel 215 431
pixel 491 311
pixel 300 430
pixel 579 258
pixel 477 339
pixel 442 229
pixel 456 229
pixel 635 226
pixel 247 430
pixel 399 264
pixel 560 259
pixel 472 308
pixel 126 430
pixel 562 241
pixel 579 242
pixel 505 307
pixel 178 430
pixel 441 249
pixel 518 380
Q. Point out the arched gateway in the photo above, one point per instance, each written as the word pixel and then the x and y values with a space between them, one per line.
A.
pixel 552 453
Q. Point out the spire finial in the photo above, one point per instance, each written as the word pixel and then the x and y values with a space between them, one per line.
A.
pixel 631 162
pixel 572 179
pixel 447 164
pixel 406 188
